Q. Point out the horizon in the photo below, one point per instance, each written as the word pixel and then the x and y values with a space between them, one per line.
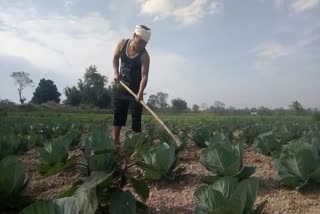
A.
pixel 244 54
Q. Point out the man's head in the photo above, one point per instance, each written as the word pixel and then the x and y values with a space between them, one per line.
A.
pixel 141 37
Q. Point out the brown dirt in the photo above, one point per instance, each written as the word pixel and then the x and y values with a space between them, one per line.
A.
pixel 50 187
pixel 281 199
pixel 178 196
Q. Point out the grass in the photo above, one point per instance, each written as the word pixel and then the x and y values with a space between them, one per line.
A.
pixel 183 118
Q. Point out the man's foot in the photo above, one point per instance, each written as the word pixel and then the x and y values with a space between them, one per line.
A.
pixel 118 145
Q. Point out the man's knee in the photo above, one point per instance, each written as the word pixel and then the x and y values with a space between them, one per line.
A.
pixel 136 127
pixel 120 113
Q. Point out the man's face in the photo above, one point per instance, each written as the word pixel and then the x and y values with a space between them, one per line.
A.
pixel 139 43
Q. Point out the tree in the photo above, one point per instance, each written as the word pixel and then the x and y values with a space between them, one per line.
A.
pixel 91 90
pixel 46 91
pixel 231 110
pixel 104 99
pixel 92 87
pixel 6 102
pixel 219 107
pixel 158 101
pixel 22 80
pixel 264 111
pixel 162 100
pixel 297 108
pixel 73 96
pixel 195 108
pixel 153 102
pixel 112 90
pixel 179 105
pixel 280 111
pixel 204 107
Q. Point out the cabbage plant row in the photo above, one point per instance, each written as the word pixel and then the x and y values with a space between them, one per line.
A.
pixel 109 172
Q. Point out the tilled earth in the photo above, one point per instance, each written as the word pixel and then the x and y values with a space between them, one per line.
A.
pixel 178 196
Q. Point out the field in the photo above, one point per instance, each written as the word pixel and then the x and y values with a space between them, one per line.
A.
pixel 67 163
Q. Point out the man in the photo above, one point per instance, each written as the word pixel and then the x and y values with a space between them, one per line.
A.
pixel 134 72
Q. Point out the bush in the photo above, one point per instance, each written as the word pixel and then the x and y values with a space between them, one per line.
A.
pixel 316 116
pixel 3 113
pixel 27 107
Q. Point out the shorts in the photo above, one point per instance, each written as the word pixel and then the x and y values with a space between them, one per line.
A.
pixel 121 107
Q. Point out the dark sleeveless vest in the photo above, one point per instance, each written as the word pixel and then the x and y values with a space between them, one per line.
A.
pixel 130 68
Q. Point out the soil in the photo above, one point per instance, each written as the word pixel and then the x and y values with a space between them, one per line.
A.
pixel 178 196
pixel 47 187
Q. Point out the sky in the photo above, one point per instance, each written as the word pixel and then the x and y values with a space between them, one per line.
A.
pixel 247 53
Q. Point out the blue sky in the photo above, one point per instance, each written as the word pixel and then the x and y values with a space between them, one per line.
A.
pixel 243 53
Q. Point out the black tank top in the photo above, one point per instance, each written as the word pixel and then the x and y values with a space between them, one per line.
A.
pixel 130 68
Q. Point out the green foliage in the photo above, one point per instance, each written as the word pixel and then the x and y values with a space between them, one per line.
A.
pixel 316 116
pixel 122 202
pixel 227 195
pixel 158 101
pixel 271 142
pixel 156 132
pixel 140 187
pixel 195 108
pixel 55 151
pixel 54 154
pixel 136 143
pixel 151 150
pixel 12 178
pixel 267 143
pixel 91 90
pixel 224 159
pixel 179 105
pixel 202 134
pixel 40 207
pixel 298 164
pixel 9 145
pixel 297 108
pixel 46 91
pixel 98 149
pixel 83 201
pixel 73 96
pixel 160 162
pixel 250 132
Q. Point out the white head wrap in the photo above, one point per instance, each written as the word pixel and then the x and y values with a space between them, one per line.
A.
pixel 143 33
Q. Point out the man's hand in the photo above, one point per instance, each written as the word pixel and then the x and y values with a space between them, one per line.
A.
pixel 117 77
pixel 139 97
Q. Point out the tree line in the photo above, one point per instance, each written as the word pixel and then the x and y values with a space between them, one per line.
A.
pixel 94 91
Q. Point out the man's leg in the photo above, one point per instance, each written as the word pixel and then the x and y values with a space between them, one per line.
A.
pixel 116 134
pixel 119 118
pixel 136 114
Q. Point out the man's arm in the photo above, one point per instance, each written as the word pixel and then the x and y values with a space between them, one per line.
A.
pixel 115 60
pixel 144 74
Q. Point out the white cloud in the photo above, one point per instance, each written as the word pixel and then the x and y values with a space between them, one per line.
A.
pixel 66 45
pixel 279 3
pixel 315 28
pixel 266 55
pixel 270 50
pixel 68 3
pixel 184 12
pixel 303 5
pixel 269 54
pixel 297 6
pixel 157 8
pixel 308 40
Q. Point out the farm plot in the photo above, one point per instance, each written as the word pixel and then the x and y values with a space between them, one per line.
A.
pixel 223 166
